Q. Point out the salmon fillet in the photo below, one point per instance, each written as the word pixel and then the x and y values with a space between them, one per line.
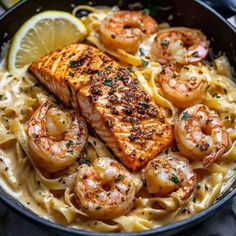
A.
pixel 110 98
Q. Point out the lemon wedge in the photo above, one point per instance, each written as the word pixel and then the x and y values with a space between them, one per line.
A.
pixel 41 34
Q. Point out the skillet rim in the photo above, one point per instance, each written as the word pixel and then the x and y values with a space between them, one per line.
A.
pixel 167 229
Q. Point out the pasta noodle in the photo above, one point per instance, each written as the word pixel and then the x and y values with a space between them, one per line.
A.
pixel 52 196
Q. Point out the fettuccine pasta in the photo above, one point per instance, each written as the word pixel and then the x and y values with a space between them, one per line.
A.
pixel 52 195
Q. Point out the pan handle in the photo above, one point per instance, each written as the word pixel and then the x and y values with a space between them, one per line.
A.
pixel 227 8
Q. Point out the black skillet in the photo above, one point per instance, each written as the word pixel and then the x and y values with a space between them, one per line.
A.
pixel 185 13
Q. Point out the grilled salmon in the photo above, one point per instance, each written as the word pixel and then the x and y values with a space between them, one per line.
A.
pixel 110 98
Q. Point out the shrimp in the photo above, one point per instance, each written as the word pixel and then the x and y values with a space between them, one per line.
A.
pixel 125 29
pixel 200 134
pixel 168 173
pixel 179 45
pixel 184 88
pixel 105 189
pixel 56 137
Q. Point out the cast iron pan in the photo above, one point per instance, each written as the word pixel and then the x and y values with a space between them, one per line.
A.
pixel 185 13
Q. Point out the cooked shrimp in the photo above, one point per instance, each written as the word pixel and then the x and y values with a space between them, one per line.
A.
pixel 167 173
pixel 125 29
pixel 56 137
pixel 105 189
pixel 184 88
pixel 179 45
pixel 200 134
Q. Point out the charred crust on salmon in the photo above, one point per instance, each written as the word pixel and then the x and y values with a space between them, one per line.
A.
pixel 111 99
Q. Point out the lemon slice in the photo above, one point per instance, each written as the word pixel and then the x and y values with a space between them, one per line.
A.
pixel 41 34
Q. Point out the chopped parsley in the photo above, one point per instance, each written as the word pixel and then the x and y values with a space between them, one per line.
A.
pixel 98 207
pixel 199 146
pixel 141 52
pixel 166 151
pixel 164 42
pixel 130 69
pixel 132 121
pixel 85 161
pixel 2 97
pixel 69 143
pixel 73 64
pixel 108 82
pixel 109 67
pixel 71 74
pixel 119 178
pixel 70 151
pixel 225 90
pixel 118 78
pixel 226 117
pixel 202 148
pixel 217 96
pixel 195 54
pixel 146 11
pixel 185 116
pixel 175 179
pixel 144 104
pixel 145 63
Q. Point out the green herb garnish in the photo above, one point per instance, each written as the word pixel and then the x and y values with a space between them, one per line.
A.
pixel 119 178
pixel 199 146
pixel 175 179
pixel 69 143
pixel 130 69
pixel 164 42
pixel 226 117
pixel 85 161
pixel 73 64
pixel 185 116
pixel 98 207
pixel 195 54
pixel 108 82
pixel 132 121
pixel 109 67
pixel 71 74
pixel 71 151
pixel 144 104
pixel 118 78
pixel 145 63
pixel 141 52
pixel 146 11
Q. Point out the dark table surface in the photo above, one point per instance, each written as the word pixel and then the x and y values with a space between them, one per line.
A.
pixel 220 224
